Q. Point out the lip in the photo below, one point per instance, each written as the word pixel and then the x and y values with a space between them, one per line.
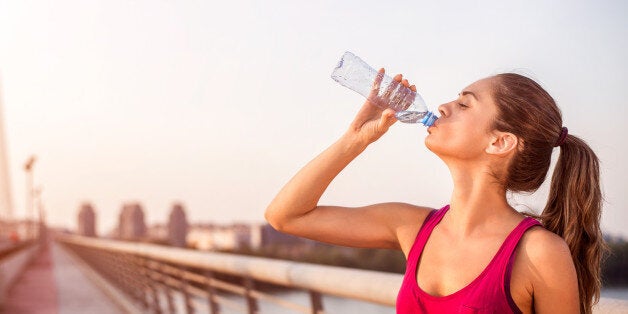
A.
pixel 435 125
pixel 429 130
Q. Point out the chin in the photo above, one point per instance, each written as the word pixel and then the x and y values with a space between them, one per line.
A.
pixel 438 148
pixel 429 141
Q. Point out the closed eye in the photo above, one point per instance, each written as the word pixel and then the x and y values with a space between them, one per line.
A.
pixel 463 105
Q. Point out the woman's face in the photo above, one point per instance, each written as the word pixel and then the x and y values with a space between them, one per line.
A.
pixel 463 130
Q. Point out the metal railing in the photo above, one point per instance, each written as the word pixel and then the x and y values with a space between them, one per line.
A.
pixel 162 279
pixel 156 277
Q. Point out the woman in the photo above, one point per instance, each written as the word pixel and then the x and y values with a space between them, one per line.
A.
pixel 478 254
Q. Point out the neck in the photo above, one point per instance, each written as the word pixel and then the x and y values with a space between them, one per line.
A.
pixel 478 201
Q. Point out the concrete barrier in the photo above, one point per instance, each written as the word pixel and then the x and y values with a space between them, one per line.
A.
pixel 12 262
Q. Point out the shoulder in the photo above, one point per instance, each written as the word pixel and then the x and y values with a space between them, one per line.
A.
pixel 401 220
pixel 543 247
pixel 546 260
pixel 545 269
pixel 408 219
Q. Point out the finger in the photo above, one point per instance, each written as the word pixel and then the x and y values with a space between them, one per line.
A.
pixel 380 74
pixel 396 94
pixel 391 87
pixel 397 101
pixel 387 119
pixel 408 99
pixel 377 83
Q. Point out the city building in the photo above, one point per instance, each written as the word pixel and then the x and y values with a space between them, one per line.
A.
pixel 131 224
pixel 87 221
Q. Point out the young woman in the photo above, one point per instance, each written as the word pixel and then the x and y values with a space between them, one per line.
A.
pixel 477 254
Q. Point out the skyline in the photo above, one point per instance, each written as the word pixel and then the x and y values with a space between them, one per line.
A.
pixel 217 107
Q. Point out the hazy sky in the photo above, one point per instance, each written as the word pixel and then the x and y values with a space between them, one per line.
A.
pixel 218 104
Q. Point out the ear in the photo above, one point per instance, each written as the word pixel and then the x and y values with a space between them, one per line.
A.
pixel 502 143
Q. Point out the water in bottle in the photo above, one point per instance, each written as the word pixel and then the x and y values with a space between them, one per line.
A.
pixel 381 90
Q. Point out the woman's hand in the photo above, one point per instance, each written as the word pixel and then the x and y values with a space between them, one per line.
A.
pixel 372 122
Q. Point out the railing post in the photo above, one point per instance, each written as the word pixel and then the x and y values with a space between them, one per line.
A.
pixel 120 268
pixel 167 290
pixel 170 300
pixel 250 300
pixel 151 277
pixel 155 295
pixel 184 289
pixel 214 308
pixel 138 263
pixel 317 302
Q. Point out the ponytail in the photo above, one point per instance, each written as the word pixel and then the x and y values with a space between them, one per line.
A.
pixel 573 212
pixel 575 201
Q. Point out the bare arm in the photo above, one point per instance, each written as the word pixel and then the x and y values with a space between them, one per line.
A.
pixel 295 209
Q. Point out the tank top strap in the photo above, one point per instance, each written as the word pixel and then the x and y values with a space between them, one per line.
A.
pixel 502 260
pixel 512 240
pixel 432 219
pixel 507 256
pixel 521 228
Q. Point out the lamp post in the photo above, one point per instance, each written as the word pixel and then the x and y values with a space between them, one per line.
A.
pixel 28 168
pixel 41 220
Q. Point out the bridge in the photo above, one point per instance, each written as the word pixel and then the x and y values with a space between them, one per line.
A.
pixel 62 272
pixel 68 273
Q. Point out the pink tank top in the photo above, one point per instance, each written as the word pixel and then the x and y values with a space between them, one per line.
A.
pixel 488 293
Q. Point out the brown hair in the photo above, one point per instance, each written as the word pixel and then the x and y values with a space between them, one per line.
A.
pixel 573 209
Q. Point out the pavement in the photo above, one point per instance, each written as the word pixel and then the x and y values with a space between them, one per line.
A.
pixel 53 283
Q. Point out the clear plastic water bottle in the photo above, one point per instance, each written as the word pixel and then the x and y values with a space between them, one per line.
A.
pixel 382 90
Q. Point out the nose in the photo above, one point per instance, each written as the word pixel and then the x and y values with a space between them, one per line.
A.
pixel 442 109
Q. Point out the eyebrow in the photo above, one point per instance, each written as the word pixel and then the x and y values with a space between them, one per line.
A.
pixel 466 92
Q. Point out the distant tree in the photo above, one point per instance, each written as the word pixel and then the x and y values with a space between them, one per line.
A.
pixel 615 267
pixel 325 254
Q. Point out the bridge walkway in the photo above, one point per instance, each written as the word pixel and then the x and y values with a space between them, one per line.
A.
pixel 54 283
